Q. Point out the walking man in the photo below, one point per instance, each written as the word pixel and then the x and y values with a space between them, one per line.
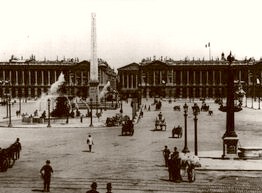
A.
pixel 90 142
pixel 46 171
pixel 166 153
pixel 18 148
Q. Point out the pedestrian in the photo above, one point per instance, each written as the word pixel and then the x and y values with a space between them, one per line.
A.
pixel 171 168
pixel 93 188
pixel 166 153
pixel 175 153
pixel 177 168
pixel 109 188
pixel 90 142
pixel 18 148
pixel 46 171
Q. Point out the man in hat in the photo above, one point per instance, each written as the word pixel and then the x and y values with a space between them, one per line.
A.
pixel 46 171
pixel 18 148
pixel 93 188
pixel 109 188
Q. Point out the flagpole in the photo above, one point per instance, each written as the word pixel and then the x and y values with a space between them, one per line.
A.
pixel 209 52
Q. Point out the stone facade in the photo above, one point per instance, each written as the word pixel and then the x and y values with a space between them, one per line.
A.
pixel 187 79
pixel 32 78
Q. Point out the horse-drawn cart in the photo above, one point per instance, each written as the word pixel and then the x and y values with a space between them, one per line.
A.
pixel 160 124
pixel 114 121
pixel 128 127
pixel 177 132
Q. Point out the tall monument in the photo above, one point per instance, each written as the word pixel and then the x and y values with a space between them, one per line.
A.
pixel 93 83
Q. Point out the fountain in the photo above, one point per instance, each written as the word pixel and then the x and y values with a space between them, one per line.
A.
pixel 59 101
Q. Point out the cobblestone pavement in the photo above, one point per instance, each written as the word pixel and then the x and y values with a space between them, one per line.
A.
pixel 133 164
pixel 206 183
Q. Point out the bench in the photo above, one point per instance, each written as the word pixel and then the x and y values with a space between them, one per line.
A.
pixel 250 152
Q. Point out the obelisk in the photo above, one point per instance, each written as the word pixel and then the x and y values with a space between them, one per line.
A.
pixel 93 82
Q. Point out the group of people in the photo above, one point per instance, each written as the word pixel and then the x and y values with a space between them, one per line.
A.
pixel 173 162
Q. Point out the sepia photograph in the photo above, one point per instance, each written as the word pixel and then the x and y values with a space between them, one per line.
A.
pixel 130 96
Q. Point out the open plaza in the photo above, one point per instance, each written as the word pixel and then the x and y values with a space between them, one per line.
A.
pixel 135 163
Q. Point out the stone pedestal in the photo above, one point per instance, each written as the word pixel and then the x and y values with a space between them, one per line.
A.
pixel 93 90
pixel 230 147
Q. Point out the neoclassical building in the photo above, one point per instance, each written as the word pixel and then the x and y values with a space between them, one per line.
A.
pixel 187 79
pixel 30 78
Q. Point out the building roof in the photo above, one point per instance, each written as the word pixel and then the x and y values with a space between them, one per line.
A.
pixel 132 66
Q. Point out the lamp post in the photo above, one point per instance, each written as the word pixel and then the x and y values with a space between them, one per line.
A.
pixel 121 106
pixel 48 105
pixel 105 103
pixel 9 104
pixel 185 150
pixel 96 104
pixel 91 116
pixel 195 112
pixel 20 104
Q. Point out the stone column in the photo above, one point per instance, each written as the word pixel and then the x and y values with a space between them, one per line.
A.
pixel 48 77
pixel 181 77
pixel 174 75
pixel 123 79
pixel 42 74
pixel 220 78
pixel 29 79
pixel 131 80
pixel 82 78
pixel 55 76
pixel 200 78
pixel 154 78
pixel 10 78
pixel 127 81
pixel 35 77
pixel 16 77
pixel 214 77
pixel 187 77
pixel 194 77
pixel 207 78
pixel 239 75
pixel 23 77
pixel 160 76
pixel 136 81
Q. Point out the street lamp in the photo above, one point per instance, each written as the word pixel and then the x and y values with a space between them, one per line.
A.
pixel 91 116
pixel 121 106
pixel 9 104
pixel 195 112
pixel 48 105
pixel 185 150
pixel 96 104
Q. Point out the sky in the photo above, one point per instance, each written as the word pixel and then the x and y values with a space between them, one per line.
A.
pixel 130 30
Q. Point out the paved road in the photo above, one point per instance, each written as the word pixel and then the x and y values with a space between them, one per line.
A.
pixel 132 164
